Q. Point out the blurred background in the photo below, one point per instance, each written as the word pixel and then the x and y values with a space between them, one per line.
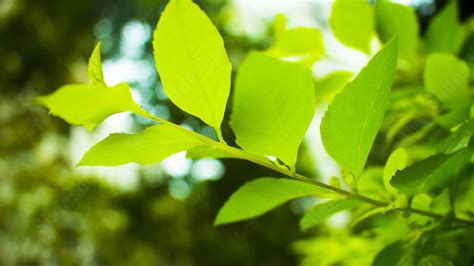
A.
pixel 52 213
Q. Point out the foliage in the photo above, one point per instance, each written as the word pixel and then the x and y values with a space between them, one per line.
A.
pixel 423 189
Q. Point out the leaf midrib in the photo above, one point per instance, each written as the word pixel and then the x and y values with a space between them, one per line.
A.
pixel 372 103
pixel 194 72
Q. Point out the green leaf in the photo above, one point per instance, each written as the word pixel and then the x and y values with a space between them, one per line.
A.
pixel 433 173
pixel 192 62
pixel 447 78
pixel 94 70
pixel 395 254
pixel 396 161
pixel 433 260
pixel 260 196
pixel 304 43
pixel 369 214
pixel 351 123
pixel 397 20
pixel 147 147
pixel 353 23
pixel 442 202
pixel 273 106
pixel 323 211
pixel 88 105
pixel 444 30
pixel 459 138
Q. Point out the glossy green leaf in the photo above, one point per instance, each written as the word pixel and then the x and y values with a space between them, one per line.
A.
pixel 88 105
pixel 353 23
pixel 444 31
pixel 323 211
pixel 273 106
pixel 433 173
pixel 447 78
pixel 192 62
pixel 147 147
pixel 260 196
pixel 304 43
pixel 351 123
pixel 94 70
pixel 395 162
pixel 397 20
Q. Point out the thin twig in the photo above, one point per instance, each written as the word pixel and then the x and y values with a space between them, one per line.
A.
pixel 240 154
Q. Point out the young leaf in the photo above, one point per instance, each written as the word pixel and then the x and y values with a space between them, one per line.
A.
pixel 369 214
pixel 352 22
pixel 147 147
pixel 351 123
pixel 447 78
pixel 444 30
pixel 395 162
pixel 192 62
pixel 88 105
pixel 323 211
pixel 260 196
pixel 304 43
pixel 397 20
pixel 94 70
pixel 273 106
pixel 433 173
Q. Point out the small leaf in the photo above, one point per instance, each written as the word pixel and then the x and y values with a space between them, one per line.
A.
pixel 304 43
pixel 368 214
pixel 353 23
pixel 192 62
pixel 89 105
pixel 260 196
pixel 433 173
pixel 433 260
pixel 323 211
pixel 351 123
pixel 442 202
pixel 396 161
pixel 397 20
pixel 94 70
pixel 444 30
pixel 147 147
pixel 334 182
pixel 447 78
pixel 273 106
pixel 458 139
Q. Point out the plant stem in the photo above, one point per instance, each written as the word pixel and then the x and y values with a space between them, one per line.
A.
pixel 240 154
